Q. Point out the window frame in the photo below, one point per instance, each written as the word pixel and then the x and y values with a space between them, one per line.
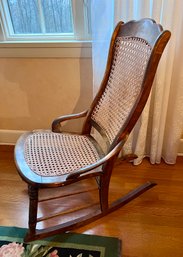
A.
pixel 51 45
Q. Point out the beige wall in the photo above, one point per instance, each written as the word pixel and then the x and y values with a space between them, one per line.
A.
pixel 33 91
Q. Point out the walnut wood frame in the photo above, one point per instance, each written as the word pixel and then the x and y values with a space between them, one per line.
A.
pixel 155 35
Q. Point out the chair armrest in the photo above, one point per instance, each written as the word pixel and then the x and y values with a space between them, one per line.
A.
pixel 56 124
pixel 100 162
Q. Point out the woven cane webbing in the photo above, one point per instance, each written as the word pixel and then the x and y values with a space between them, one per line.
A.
pixel 130 60
pixel 53 154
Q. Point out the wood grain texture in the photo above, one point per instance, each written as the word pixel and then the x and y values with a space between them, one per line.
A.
pixel 151 225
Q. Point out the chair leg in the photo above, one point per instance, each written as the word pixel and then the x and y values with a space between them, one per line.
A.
pixel 33 206
pixel 103 194
pixel 104 186
pixel 34 234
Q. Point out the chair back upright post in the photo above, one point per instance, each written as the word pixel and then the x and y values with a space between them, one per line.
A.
pixel 134 54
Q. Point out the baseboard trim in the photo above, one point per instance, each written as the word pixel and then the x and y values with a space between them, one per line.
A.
pixel 10 137
pixel 180 151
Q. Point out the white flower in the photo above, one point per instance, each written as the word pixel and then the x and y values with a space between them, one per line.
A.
pixel 11 250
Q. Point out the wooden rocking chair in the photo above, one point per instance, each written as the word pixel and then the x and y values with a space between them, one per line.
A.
pixel 50 159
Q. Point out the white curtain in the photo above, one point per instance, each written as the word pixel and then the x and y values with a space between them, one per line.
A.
pixel 158 131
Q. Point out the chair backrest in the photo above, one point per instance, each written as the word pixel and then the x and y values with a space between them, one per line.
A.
pixel 135 50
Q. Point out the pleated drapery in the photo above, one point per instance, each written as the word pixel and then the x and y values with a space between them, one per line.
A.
pixel 158 131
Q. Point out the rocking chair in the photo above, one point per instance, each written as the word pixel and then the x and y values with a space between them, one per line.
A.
pixel 52 158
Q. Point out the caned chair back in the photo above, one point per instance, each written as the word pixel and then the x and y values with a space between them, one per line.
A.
pixel 132 62
pixel 124 85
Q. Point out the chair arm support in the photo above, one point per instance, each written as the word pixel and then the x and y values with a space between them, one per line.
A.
pixel 56 124
pixel 100 162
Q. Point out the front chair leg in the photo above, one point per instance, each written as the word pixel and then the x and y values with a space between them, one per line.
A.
pixel 33 206
pixel 104 186
pixel 103 193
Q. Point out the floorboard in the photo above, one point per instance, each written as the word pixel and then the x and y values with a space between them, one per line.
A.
pixel 151 225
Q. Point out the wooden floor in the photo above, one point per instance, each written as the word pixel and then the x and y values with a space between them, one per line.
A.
pixel 149 226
